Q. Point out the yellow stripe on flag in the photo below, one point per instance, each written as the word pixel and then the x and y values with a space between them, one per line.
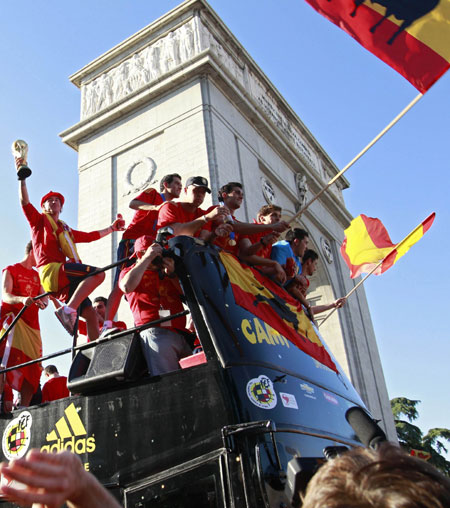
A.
pixel 404 246
pixel 27 339
pixel 361 249
pixel 243 277
pixel 433 29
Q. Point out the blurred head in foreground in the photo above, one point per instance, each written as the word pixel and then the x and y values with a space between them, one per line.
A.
pixel 385 478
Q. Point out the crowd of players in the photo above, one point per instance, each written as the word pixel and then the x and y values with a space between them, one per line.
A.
pixel 358 478
pixel 68 282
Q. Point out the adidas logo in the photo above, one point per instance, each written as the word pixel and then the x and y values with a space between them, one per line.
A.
pixel 69 434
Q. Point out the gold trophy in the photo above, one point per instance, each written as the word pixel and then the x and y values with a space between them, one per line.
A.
pixel 20 151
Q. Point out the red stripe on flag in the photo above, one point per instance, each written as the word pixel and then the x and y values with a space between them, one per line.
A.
pixel 413 59
pixel 428 222
pixel 377 232
pixel 388 261
pixel 355 270
pixel 267 314
pixel 273 305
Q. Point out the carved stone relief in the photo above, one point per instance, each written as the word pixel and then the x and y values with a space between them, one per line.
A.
pixel 172 50
pixel 139 175
pixel 142 68
pixel 302 189
pixel 268 191
pixel 326 249
pixel 276 116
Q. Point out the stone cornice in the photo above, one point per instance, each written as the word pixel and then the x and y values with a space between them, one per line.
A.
pixel 189 42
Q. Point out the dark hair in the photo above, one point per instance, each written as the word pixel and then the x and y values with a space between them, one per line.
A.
pixel 100 299
pixel 51 369
pixel 385 478
pixel 309 255
pixel 168 179
pixel 268 209
pixel 296 234
pixel 227 188
pixel 28 248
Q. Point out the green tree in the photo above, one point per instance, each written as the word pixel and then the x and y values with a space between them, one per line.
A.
pixel 411 437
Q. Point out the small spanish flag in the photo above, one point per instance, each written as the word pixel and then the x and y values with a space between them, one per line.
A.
pixel 420 454
pixel 412 36
pixel 367 243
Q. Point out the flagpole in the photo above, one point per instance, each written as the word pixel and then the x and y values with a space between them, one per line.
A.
pixel 357 285
pixel 361 153
pixel 378 264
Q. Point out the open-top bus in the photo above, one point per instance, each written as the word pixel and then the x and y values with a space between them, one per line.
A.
pixel 244 423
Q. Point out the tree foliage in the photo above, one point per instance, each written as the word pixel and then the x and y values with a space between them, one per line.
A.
pixel 411 437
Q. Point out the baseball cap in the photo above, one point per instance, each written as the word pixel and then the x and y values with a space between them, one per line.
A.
pixel 49 195
pixel 198 181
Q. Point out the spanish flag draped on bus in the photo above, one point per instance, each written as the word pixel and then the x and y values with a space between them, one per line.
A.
pixel 367 243
pixel 412 36
pixel 273 305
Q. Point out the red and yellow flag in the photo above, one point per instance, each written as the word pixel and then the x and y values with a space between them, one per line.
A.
pixel 367 243
pixel 412 36
pixel 272 304
pixel 420 454
pixel 22 344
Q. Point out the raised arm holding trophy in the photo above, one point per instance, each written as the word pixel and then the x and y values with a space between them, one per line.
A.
pixel 20 151
pixel 60 269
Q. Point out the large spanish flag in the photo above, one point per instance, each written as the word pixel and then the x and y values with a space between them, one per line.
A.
pixel 367 243
pixel 272 304
pixel 412 36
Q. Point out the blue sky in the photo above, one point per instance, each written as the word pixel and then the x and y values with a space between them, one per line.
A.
pixel 343 94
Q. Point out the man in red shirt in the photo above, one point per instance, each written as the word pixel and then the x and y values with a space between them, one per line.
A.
pixel 56 386
pixel 231 196
pixel 60 268
pixel 187 218
pixel 23 343
pixel 255 248
pixel 99 305
pixel 147 205
pixel 151 298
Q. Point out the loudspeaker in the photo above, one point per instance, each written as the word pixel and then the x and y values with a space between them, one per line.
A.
pixel 108 364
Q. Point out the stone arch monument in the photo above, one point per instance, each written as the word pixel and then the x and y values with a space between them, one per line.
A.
pixel 183 95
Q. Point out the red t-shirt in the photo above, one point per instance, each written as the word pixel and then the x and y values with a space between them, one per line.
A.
pixel 172 213
pixel 144 221
pixel 25 283
pixel 224 241
pixel 45 244
pixel 263 252
pixel 55 388
pixel 151 295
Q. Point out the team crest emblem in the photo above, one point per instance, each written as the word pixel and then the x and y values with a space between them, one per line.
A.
pixel 261 393
pixel 17 436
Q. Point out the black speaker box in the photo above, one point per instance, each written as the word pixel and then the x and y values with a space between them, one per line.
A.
pixel 108 364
